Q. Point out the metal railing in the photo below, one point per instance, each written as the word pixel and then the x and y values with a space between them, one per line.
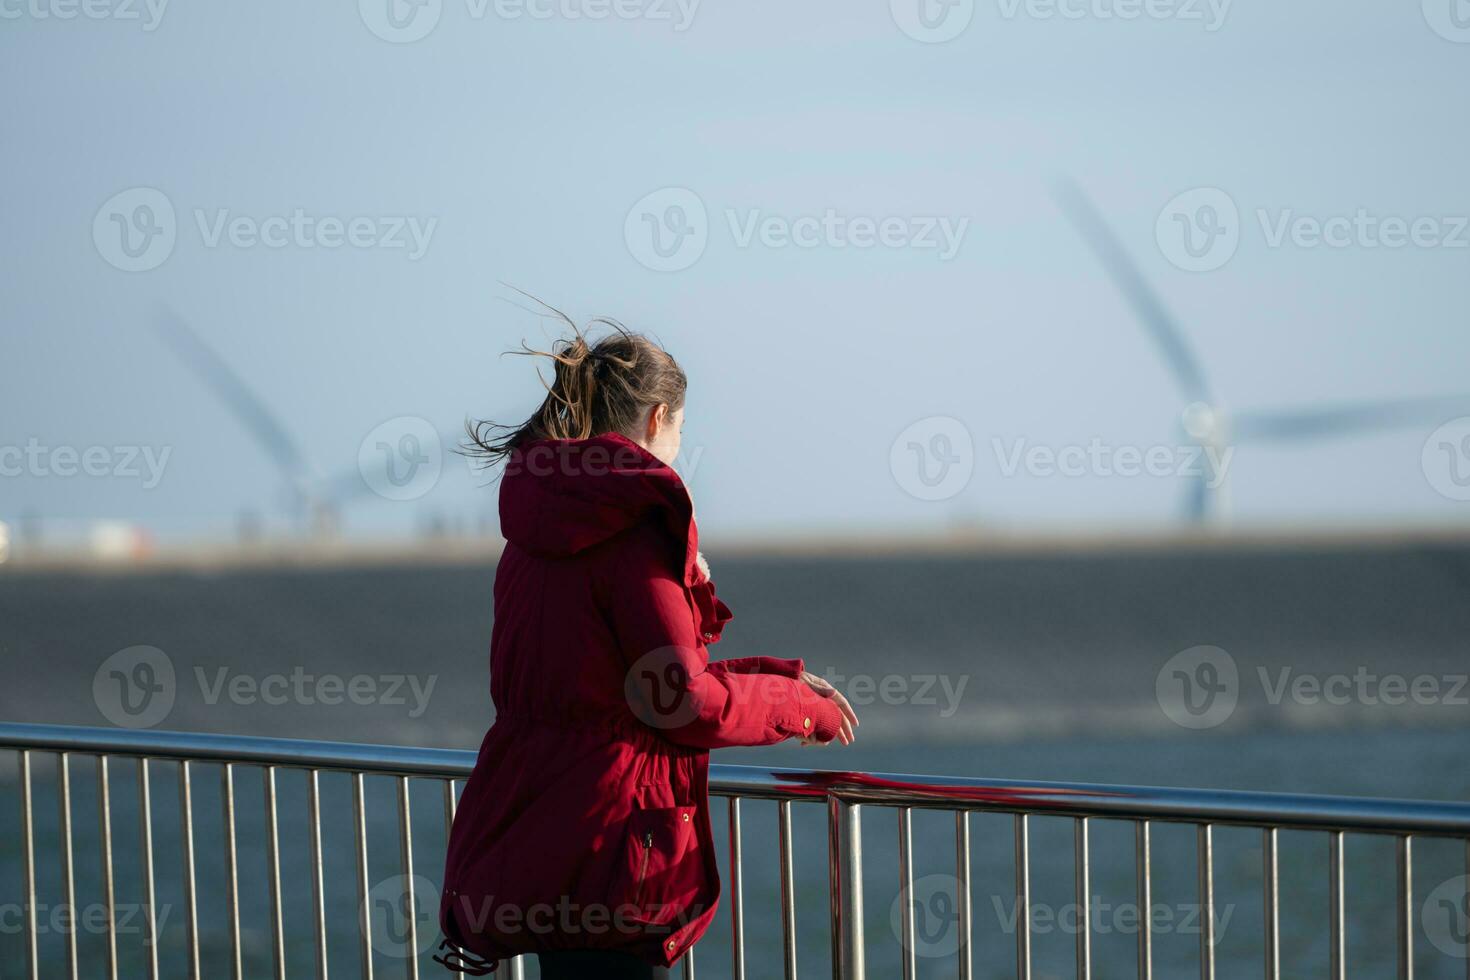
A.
pixel 844 795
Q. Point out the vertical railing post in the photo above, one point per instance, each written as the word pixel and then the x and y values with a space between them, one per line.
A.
pixel 788 887
pixel 1083 849
pixel 273 868
pixel 28 857
pixel 232 869
pixel 1206 857
pixel 1143 833
pixel 1337 907
pixel 410 890
pixel 908 953
pixel 145 861
pixel 109 889
pixel 360 848
pixel 963 913
pixel 1271 903
pixel 191 885
pixel 68 855
pixel 1023 897
pixel 845 860
pixel 1406 907
pixel 737 896
pixel 318 884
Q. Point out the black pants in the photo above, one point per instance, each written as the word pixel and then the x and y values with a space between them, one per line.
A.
pixel 582 964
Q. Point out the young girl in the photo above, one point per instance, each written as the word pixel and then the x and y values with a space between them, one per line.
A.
pixel 583 833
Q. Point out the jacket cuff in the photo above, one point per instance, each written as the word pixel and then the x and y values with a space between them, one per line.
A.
pixel 822 713
pixel 761 665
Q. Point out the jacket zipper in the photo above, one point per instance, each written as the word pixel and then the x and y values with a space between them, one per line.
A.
pixel 643 866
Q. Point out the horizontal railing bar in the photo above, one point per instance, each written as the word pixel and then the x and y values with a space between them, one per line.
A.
pixel 1163 804
pixel 1168 804
pixel 244 749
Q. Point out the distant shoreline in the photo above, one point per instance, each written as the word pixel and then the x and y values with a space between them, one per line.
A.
pixel 969 542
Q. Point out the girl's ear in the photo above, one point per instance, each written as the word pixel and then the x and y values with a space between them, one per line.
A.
pixel 658 417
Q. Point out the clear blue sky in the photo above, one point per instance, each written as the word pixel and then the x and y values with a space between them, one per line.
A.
pixel 529 139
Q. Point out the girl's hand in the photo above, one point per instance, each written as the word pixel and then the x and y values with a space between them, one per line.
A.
pixel 826 690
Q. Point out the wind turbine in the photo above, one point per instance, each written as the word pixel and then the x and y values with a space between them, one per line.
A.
pixel 1204 419
pixel 313 502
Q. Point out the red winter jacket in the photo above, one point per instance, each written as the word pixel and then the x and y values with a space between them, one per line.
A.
pixel 585 823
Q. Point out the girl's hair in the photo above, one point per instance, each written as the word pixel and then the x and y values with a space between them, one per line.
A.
pixel 598 387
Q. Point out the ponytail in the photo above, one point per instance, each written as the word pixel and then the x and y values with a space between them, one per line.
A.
pixel 596 388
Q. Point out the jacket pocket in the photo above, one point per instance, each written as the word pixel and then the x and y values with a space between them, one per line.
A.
pixel 657 843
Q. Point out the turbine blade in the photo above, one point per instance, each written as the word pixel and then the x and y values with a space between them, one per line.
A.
pixel 1345 419
pixel 1162 329
pixel 237 396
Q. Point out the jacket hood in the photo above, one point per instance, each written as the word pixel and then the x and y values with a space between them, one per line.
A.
pixel 562 496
